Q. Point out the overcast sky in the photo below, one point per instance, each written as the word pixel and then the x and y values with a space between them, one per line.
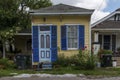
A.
pixel 102 7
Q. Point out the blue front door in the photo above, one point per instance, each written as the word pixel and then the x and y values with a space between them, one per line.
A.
pixel 44 46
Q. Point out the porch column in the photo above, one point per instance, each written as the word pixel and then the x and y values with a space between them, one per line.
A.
pixel 96 45
pixel 96 36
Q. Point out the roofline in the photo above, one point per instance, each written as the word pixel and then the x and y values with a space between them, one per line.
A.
pixel 103 19
pixel 117 29
pixel 65 13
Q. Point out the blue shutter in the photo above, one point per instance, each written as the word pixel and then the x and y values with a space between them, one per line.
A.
pixel 63 38
pixel 81 37
pixel 53 43
pixel 35 43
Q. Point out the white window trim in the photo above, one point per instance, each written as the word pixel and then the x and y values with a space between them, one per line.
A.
pixel 67 36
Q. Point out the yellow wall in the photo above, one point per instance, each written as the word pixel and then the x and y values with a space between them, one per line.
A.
pixel 55 20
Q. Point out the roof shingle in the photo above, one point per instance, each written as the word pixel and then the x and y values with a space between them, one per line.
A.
pixel 61 8
pixel 107 24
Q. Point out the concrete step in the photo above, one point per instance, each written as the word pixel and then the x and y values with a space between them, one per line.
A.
pixel 47 66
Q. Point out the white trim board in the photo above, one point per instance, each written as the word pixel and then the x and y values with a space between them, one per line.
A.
pixel 106 29
pixel 23 34
pixel 41 24
pixel 64 13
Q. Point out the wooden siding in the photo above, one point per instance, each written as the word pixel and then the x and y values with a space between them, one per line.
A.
pixel 57 20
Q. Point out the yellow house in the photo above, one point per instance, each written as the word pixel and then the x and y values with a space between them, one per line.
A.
pixel 59 29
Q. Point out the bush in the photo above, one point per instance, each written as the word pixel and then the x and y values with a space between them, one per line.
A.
pixel 104 52
pixel 82 60
pixel 62 61
pixel 85 60
pixel 7 64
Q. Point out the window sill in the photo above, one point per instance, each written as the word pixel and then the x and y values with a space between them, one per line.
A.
pixel 72 49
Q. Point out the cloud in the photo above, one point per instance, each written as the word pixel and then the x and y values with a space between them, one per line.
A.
pixel 97 15
pixel 90 4
pixel 98 5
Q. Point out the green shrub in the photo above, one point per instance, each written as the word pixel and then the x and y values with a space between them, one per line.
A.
pixel 105 52
pixel 90 63
pixel 7 64
pixel 82 60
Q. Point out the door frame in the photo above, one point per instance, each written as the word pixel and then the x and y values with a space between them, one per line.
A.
pixel 43 32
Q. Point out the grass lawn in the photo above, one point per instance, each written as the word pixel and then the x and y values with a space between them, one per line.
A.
pixel 67 70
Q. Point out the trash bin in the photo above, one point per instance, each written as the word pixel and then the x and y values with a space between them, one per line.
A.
pixel 106 60
pixel 114 63
pixel 23 61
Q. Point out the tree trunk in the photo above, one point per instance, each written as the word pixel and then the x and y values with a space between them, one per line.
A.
pixel 4 53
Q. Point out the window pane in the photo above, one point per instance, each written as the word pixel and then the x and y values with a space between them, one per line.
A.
pixel 42 54
pixel 107 42
pixel 44 28
pixel 72 36
pixel 42 41
pixel 47 54
pixel 47 41
pixel 113 42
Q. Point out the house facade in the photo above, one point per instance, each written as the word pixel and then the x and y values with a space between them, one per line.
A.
pixel 106 31
pixel 59 29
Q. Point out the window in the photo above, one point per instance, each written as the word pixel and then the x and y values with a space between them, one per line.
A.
pixel 44 28
pixel 107 42
pixel 42 41
pixel 47 41
pixel 117 17
pixel 72 36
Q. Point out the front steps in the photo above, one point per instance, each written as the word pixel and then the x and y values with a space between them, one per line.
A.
pixel 43 65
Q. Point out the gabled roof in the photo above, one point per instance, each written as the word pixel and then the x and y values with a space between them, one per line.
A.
pixel 61 9
pixel 118 9
pixel 104 19
pixel 108 25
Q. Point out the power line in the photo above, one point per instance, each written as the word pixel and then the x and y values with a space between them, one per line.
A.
pixel 98 8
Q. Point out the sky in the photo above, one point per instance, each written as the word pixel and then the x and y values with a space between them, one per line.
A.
pixel 102 7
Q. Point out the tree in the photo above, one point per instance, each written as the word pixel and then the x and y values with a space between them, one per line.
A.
pixel 31 4
pixel 13 15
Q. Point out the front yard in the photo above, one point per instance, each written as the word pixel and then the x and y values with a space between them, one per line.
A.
pixel 101 72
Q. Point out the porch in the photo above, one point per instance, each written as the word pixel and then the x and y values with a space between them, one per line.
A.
pixel 23 44
pixel 108 39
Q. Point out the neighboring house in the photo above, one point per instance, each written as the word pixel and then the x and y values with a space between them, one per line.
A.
pixel 59 29
pixel 106 31
pixel 23 42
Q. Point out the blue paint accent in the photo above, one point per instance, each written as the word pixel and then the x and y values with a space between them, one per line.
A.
pixel 81 36
pixel 63 37
pixel 35 43
pixel 53 43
